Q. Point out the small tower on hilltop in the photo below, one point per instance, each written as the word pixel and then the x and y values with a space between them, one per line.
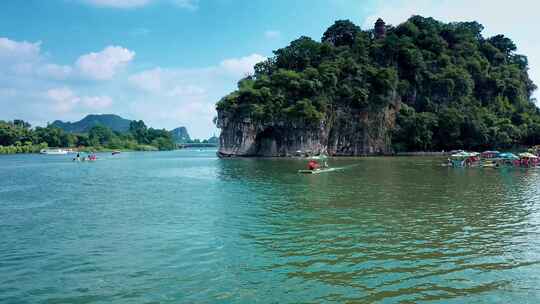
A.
pixel 380 29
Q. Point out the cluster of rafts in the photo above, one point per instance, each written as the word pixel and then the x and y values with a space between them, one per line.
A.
pixel 80 156
pixel 495 159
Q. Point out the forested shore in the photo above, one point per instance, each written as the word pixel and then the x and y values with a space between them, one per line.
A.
pixel 18 136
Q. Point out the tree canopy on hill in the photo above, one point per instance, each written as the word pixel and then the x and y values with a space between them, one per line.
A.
pixel 113 122
pixel 458 89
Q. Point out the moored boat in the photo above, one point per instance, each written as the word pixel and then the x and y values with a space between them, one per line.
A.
pixel 527 160
pixel 535 150
pixel 464 159
pixel 490 154
pixel 318 171
pixel 494 159
pixel 53 151
pixel 506 159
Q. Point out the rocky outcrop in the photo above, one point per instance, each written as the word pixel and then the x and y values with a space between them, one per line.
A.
pixel 344 132
pixel 180 135
pixel 362 133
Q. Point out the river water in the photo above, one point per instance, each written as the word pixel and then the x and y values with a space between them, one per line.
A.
pixel 186 227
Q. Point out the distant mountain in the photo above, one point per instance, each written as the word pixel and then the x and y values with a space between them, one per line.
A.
pixel 180 135
pixel 213 140
pixel 115 122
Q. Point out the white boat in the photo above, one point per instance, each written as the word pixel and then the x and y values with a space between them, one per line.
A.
pixel 56 151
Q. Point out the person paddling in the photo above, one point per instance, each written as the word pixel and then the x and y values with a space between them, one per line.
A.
pixel 313 165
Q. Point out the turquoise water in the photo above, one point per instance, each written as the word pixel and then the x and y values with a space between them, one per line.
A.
pixel 186 227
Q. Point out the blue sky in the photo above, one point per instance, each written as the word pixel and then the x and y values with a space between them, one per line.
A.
pixel 168 61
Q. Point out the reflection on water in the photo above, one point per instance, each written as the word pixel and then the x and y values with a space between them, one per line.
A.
pixel 187 227
pixel 399 229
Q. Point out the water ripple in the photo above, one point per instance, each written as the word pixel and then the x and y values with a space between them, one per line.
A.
pixel 185 227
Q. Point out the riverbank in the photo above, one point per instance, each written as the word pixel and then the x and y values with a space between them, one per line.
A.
pixel 34 149
pixel 22 149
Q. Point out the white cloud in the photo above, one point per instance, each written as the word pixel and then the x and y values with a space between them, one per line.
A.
pixel 175 82
pixel 128 4
pixel 186 91
pixel 165 97
pixel 55 71
pixel 15 50
pixel 149 80
pixel 195 113
pixel 65 100
pixel 188 4
pixel 23 69
pixel 24 59
pixel 8 92
pixel 272 34
pixel 175 97
pixel 96 102
pixel 104 65
pixel 35 89
pixel 119 3
pixel 171 82
pixel 498 17
pixel 243 66
pixel 19 58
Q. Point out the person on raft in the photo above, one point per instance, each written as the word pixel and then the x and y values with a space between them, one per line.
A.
pixel 313 165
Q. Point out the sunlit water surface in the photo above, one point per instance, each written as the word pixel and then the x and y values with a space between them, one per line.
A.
pixel 186 227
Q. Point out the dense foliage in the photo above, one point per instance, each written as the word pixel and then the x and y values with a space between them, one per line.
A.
pixel 18 137
pixel 457 88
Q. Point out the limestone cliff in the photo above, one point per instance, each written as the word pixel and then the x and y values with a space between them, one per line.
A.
pixel 346 132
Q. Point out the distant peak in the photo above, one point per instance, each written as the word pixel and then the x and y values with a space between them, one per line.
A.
pixel 102 115
pixel 112 121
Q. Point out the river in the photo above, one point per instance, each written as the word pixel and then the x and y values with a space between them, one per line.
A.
pixel 187 227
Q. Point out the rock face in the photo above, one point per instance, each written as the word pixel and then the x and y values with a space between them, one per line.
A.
pixel 180 135
pixel 345 132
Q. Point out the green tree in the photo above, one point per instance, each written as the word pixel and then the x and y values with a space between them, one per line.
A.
pixel 139 131
pixel 504 44
pixel 341 33
pixel 100 135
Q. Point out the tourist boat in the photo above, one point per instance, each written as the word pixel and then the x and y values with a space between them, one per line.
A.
pixel 318 157
pixel 317 171
pixel 528 160
pixel 535 150
pixel 464 159
pixel 115 152
pixel 490 154
pixel 503 160
pixel 508 155
pixel 455 152
pixel 493 159
pixel 54 151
